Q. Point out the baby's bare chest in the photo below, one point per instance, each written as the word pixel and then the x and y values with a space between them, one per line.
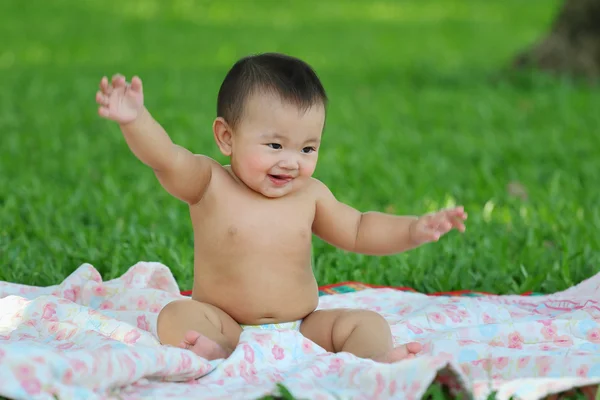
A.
pixel 273 224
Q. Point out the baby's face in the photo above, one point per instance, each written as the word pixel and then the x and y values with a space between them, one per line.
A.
pixel 275 145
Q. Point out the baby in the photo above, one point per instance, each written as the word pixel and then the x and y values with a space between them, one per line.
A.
pixel 253 220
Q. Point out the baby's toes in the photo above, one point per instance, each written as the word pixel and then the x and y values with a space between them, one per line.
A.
pixel 191 337
pixel 414 347
pixel 184 345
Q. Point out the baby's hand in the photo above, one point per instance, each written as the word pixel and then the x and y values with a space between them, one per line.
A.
pixel 430 227
pixel 120 101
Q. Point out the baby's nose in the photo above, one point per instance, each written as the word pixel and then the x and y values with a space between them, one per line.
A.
pixel 289 163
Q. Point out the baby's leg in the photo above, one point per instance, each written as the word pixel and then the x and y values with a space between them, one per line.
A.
pixel 205 329
pixel 363 333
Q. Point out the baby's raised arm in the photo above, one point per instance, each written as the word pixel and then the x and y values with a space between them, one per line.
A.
pixel 180 172
pixel 376 233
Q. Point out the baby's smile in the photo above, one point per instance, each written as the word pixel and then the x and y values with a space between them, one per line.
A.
pixel 281 179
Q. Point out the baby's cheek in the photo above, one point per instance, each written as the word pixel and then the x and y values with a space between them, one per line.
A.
pixel 254 163
pixel 308 168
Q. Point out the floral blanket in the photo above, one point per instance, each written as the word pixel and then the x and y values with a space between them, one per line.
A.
pixel 90 339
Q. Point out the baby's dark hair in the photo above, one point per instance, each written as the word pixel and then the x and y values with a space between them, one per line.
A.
pixel 291 79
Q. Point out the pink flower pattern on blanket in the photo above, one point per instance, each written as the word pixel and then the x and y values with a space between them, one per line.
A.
pixel 86 339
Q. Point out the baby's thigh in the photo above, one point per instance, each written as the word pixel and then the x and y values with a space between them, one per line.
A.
pixel 326 327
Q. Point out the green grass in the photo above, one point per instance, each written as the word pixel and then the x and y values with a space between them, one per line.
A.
pixel 437 392
pixel 419 118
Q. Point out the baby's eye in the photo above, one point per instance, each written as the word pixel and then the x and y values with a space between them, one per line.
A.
pixel 275 146
pixel 308 150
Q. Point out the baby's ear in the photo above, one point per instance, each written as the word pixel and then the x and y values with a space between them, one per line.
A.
pixel 222 133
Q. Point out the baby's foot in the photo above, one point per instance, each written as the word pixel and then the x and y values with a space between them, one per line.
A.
pixel 405 351
pixel 203 346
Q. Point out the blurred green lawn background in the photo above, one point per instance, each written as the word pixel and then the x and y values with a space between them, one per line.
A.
pixel 420 118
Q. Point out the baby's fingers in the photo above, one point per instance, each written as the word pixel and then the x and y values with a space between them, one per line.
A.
pixel 101 99
pixel 457 216
pixel 458 224
pixel 104 86
pixel 103 102
pixel 452 220
pixel 458 212
pixel 104 112
pixel 444 222
pixel 431 235
pixel 425 234
pixel 136 84
pixel 439 222
pixel 118 80
pixel 447 221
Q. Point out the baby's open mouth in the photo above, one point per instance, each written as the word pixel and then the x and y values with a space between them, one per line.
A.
pixel 280 179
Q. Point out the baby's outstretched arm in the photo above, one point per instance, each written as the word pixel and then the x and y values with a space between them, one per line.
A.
pixel 376 233
pixel 180 172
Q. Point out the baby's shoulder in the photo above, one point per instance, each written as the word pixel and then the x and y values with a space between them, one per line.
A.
pixel 216 167
pixel 217 171
pixel 317 188
pixel 204 158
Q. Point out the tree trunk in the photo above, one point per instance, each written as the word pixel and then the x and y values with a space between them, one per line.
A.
pixel 572 46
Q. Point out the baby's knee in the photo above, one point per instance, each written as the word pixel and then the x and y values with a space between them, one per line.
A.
pixel 186 310
pixel 171 310
pixel 167 317
pixel 370 318
pixel 352 319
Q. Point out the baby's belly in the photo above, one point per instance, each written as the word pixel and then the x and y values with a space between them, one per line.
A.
pixel 258 294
